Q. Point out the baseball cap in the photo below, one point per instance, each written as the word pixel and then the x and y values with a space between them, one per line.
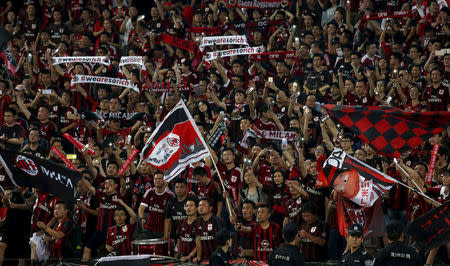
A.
pixel 355 230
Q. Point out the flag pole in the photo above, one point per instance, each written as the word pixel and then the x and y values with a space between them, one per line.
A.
pixel 227 200
pixel 418 191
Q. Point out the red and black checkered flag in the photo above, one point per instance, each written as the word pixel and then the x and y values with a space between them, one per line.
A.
pixel 389 130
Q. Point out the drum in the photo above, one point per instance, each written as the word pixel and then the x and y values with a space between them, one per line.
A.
pixel 153 247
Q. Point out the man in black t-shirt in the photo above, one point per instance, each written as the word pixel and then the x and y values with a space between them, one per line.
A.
pixel 11 134
pixel 207 227
pixel 175 209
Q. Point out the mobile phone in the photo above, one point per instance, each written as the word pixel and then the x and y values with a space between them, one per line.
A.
pixel 270 79
pixel 71 156
pixel 46 91
pixel 284 144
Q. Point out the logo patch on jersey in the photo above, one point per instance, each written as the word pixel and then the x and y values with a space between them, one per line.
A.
pixel 124 229
pixel 233 179
pixel 209 227
pixel 313 229
pixel 265 244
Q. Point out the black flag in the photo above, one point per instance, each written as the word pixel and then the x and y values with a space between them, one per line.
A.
pixel 27 170
pixel 433 228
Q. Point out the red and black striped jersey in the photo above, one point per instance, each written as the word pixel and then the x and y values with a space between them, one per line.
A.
pixel 119 237
pixel 207 230
pixel 211 191
pixel 43 209
pixel 139 185
pixel 265 240
pixel 417 206
pixel 259 124
pixel 232 179
pixel 49 130
pixel 192 183
pixel 186 235
pixel 156 204
pixel 106 209
pixel 292 210
pixel 312 251
pixel 75 7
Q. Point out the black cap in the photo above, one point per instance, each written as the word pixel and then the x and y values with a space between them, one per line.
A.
pixel 290 229
pixel 222 236
pixel 355 230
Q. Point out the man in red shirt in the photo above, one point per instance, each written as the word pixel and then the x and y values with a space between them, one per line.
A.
pixel 118 240
pixel 155 200
pixel 266 234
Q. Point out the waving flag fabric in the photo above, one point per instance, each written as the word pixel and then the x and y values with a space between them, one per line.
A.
pixel 389 130
pixel 354 179
pixel 175 144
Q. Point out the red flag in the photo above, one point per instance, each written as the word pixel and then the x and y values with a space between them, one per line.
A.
pixel 354 179
pixel 370 218
pixel 389 130
pixel 175 144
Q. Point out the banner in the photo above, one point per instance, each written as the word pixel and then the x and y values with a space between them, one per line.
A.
pixel 206 30
pixel 429 178
pixel 63 158
pixel 433 228
pixel 273 55
pixel 253 25
pixel 177 42
pixel 103 80
pixel 265 134
pixel 396 14
pixel 127 162
pixel 389 130
pixel 222 40
pixel 9 60
pixel 81 59
pixel 258 4
pixel 80 146
pixel 175 143
pixel 232 52
pixel 26 170
pixel 354 179
pixel 132 60
pixel 168 86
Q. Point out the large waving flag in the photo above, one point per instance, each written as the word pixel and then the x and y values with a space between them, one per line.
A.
pixel 175 143
pixel 354 179
pixel 359 188
pixel 26 170
pixel 389 130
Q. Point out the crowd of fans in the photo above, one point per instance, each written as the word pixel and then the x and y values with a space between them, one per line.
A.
pixel 340 58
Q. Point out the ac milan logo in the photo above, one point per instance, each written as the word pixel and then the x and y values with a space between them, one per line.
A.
pixel 284 3
pixel 27 165
pixel 173 142
pixel 75 79
pixel 357 216
pixel 165 149
pixel 265 244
